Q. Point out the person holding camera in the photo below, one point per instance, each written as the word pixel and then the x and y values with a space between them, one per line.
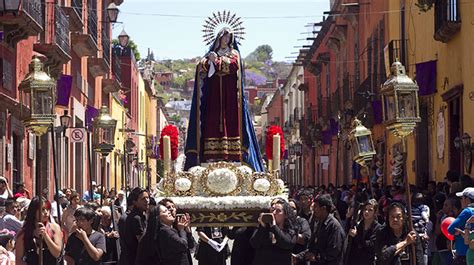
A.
pixel 275 236
pixel 326 245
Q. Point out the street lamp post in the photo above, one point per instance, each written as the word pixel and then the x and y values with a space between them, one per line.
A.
pixel 362 147
pixel 123 39
pixel 112 12
pixel 401 113
pixel 38 90
pixel 104 134
pixel 64 120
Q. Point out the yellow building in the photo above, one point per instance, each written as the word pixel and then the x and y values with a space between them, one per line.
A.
pixel 116 170
pixel 151 132
pixel 139 171
pixel 438 49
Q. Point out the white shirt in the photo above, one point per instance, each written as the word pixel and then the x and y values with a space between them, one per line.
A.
pixel 11 223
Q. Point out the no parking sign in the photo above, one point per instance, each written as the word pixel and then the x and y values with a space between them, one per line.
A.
pixel 77 135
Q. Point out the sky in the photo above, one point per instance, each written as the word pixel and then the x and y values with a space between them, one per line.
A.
pixel 172 29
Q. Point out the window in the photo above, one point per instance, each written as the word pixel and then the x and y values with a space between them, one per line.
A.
pixel 447 19
pixel 328 80
pixel 7 77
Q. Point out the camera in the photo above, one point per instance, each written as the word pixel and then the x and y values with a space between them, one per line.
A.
pixel 267 218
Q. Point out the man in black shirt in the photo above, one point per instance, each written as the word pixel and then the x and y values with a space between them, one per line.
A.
pixel 135 224
pixel 85 246
pixel 326 246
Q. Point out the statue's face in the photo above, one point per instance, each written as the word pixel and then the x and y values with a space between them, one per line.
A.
pixel 225 40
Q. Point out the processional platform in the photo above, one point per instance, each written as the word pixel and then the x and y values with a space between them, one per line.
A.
pixel 222 193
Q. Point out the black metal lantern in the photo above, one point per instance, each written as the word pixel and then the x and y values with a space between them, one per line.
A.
pixel 37 90
pixel 104 132
pixel 362 145
pixel 401 109
pixel 298 149
pixel 123 38
pixel 112 12
pixel 65 119
pixel 9 5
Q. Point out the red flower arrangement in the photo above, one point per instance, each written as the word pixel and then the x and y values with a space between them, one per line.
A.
pixel 273 130
pixel 173 133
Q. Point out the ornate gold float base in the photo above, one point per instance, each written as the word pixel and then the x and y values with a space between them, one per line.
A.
pixel 241 218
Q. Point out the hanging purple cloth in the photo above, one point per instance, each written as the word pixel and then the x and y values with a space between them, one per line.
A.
pixel 377 109
pixel 326 137
pixel 426 77
pixel 1 35
pixel 91 113
pixel 64 86
pixel 334 127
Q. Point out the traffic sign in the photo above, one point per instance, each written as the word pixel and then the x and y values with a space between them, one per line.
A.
pixel 77 135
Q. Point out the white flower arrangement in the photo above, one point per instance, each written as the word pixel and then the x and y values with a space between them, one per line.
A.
pixel 222 181
pixel 183 184
pixel 161 184
pixel 261 185
pixel 281 184
pixel 245 170
pixel 222 203
pixel 197 171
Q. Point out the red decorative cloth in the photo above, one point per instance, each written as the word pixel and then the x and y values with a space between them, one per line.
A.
pixel 273 130
pixel 173 133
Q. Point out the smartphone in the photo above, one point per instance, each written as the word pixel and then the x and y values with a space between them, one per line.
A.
pixel 179 215
pixel 267 218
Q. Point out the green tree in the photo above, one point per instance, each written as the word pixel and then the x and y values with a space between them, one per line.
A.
pixel 132 45
pixel 262 53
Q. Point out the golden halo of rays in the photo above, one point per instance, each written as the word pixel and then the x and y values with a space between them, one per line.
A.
pixel 215 22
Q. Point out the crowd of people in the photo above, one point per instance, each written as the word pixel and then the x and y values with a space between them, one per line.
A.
pixel 315 225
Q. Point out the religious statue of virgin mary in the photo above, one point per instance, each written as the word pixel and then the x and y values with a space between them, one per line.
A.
pixel 220 127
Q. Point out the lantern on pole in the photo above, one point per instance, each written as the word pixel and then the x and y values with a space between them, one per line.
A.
pixel 362 145
pixel 104 135
pixel 104 132
pixel 401 109
pixel 401 113
pixel 38 91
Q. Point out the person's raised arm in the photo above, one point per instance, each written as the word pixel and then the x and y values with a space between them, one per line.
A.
pixel 92 251
pixel 55 242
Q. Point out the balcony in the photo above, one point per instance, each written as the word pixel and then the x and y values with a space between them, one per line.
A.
pixel 101 66
pixel 447 19
pixel 74 12
pixel 397 51
pixel 113 84
pixel 86 44
pixel 116 68
pixel 362 95
pixel 27 22
pixel 54 42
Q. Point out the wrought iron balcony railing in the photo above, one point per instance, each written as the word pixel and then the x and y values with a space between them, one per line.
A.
pixel 92 24
pixel 105 46
pixel 447 19
pixel 33 8
pixel 61 30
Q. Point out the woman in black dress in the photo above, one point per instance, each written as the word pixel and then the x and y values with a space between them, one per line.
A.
pixel 147 251
pixel 212 246
pixel 275 237
pixel 173 243
pixel 362 247
pixel 36 228
pixel 393 241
